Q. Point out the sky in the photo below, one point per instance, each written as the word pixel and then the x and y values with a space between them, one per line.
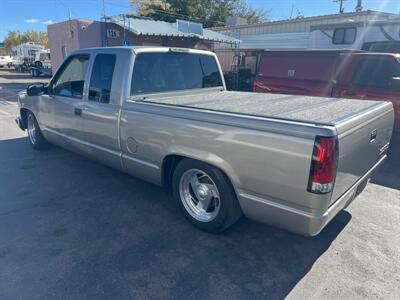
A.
pixel 36 14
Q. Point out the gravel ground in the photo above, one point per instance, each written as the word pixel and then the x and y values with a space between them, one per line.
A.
pixel 73 229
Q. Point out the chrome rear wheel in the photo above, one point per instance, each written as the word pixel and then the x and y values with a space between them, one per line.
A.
pixel 205 195
pixel 199 195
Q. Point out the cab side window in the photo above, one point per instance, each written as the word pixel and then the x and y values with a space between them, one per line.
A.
pixel 101 78
pixel 376 72
pixel 70 81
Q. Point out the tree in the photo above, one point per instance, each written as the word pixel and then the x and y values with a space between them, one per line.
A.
pixel 154 9
pixel 12 39
pixel 209 12
pixel 15 38
pixel 252 15
pixel 38 37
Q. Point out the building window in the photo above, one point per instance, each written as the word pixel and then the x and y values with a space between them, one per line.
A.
pixel 344 36
pixel 64 52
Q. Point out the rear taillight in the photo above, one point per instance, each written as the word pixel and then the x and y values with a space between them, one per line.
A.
pixel 323 165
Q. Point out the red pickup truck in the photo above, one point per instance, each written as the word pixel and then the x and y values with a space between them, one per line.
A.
pixel 332 73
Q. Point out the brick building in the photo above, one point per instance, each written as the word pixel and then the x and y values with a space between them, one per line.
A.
pixel 67 36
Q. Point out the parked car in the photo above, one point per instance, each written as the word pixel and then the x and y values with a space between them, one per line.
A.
pixel 164 115
pixel 5 61
pixel 330 73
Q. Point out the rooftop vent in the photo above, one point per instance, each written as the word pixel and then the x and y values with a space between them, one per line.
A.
pixel 189 27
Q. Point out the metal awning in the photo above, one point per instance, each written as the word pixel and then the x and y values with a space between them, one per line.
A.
pixel 298 40
pixel 141 26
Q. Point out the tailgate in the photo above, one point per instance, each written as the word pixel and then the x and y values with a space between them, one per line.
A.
pixel 363 140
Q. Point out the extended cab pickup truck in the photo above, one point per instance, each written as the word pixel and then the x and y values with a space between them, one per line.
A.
pixel 164 115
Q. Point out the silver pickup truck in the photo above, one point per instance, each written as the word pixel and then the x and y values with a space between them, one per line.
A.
pixel 164 115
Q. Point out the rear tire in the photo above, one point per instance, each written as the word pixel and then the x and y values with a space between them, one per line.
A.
pixel 205 196
pixel 35 136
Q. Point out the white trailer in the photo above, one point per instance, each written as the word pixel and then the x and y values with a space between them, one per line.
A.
pixel 26 50
pixel 370 35
pixel 24 55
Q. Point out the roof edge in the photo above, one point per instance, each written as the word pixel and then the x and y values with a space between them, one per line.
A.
pixel 305 19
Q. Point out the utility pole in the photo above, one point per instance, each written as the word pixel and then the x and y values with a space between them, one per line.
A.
pixel 71 33
pixel 104 10
pixel 341 8
pixel 359 7
pixel 105 25
pixel 291 12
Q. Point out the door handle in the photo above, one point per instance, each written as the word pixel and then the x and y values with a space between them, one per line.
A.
pixel 78 111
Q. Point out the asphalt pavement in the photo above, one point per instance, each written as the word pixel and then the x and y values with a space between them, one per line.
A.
pixel 71 228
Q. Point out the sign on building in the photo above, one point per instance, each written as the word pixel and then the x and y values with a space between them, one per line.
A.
pixel 112 33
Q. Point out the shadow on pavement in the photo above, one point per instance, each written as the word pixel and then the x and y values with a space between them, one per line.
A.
pixel 72 228
pixel 20 76
pixel 23 76
pixel 389 174
pixel 9 91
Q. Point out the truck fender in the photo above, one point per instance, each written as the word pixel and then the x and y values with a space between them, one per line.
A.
pixel 203 156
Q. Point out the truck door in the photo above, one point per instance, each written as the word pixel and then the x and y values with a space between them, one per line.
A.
pixel 101 111
pixel 374 77
pixel 61 107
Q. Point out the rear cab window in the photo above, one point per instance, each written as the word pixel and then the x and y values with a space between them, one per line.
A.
pixel 158 72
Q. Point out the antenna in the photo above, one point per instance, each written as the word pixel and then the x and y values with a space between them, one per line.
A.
pixel 341 8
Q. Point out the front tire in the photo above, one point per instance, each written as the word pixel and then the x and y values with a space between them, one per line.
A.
pixel 35 136
pixel 205 196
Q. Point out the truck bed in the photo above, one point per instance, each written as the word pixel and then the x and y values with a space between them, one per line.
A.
pixel 317 110
pixel 370 123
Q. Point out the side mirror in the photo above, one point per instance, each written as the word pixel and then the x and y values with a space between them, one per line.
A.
pixel 36 89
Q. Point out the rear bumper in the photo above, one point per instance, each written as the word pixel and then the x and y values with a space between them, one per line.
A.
pixel 294 219
pixel 20 122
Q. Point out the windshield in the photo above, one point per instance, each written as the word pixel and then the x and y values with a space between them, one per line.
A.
pixel 44 56
pixel 172 71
